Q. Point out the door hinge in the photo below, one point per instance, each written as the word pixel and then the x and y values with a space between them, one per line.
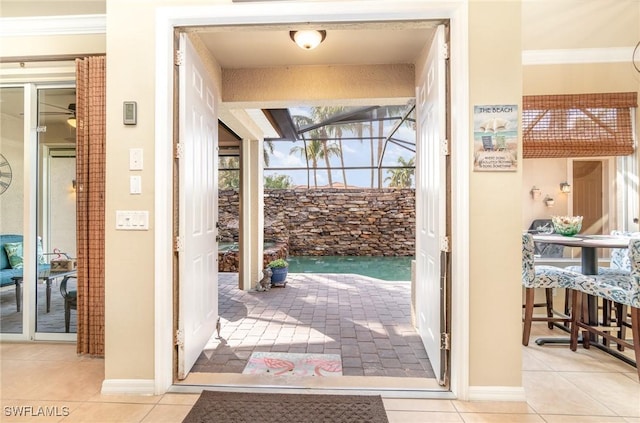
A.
pixel 41 128
pixel 179 59
pixel 445 51
pixel 445 244
pixel 444 147
pixel 178 244
pixel 179 153
pixel 179 339
pixel 444 341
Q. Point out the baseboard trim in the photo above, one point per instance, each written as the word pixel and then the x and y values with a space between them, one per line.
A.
pixel 128 387
pixel 496 393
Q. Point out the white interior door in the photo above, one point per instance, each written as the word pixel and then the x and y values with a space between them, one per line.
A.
pixel 198 208
pixel 431 200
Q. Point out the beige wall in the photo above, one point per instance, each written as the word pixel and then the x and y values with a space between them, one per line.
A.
pixel 495 218
pixel 129 332
pixel 545 174
pixel 573 24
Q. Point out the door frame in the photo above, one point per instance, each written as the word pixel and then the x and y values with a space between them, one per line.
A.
pixel 167 19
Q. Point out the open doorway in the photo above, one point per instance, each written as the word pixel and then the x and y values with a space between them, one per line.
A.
pixel 589 195
pixel 433 223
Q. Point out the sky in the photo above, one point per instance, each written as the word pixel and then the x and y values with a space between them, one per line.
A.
pixel 356 153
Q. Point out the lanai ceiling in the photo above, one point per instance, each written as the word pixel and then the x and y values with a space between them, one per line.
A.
pixel 345 44
pixel 365 43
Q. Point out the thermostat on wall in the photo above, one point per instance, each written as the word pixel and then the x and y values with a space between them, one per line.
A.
pixel 129 113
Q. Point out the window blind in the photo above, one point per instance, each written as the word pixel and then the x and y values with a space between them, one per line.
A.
pixel 578 125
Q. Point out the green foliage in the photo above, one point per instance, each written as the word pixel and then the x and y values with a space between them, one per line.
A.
pixel 228 174
pixel 402 177
pixel 277 181
pixel 278 263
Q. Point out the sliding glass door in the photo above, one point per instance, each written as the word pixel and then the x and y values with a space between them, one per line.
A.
pixel 12 158
pixel 38 213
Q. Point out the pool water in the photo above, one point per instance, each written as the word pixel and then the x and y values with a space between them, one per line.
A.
pixel 385 268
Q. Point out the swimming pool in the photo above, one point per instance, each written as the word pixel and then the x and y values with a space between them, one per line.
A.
pixel 385 268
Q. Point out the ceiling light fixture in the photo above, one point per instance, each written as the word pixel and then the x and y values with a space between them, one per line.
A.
pixel 308 39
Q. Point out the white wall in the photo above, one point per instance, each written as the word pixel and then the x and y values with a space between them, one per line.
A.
pixel 12 148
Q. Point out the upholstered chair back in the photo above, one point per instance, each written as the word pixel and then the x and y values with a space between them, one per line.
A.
pixel 528 270
pixel 634 257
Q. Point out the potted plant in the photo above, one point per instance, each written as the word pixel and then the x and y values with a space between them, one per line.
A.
pixel 280 269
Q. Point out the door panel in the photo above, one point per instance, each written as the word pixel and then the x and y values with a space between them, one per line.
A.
pixel 431 202
pixel 197 257
pixel 587 195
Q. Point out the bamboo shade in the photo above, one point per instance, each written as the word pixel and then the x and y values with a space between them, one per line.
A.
pixel 578 125
pixel 90 175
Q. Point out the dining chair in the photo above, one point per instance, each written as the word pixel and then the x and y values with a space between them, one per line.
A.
pixel 620 263
pixel 70 300
pixel 622 290
pixel 542 276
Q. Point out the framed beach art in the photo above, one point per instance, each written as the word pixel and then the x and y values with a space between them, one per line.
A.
pixel 495 136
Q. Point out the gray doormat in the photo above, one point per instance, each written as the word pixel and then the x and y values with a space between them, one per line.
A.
pixel 237 407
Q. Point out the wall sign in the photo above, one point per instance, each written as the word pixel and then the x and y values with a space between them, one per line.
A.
pixel 495 138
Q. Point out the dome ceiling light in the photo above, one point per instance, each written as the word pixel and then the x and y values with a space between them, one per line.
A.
pixel 308 39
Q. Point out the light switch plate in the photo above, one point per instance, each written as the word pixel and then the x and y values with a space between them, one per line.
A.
pixel 132 220
pixel 135 159
pixel 135 184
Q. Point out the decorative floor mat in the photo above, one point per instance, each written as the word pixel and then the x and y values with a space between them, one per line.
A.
pixel 240 407
pixel 291 364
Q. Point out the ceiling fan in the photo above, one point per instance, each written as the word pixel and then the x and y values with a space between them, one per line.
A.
pixel 70 111
pixel 60 110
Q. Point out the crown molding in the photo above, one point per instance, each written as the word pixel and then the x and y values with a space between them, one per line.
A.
pixel 575 56
pixel 53 25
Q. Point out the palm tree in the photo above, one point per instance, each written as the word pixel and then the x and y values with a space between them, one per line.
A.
pixel 267 151
pixel 402 177
pixel 313 152
pixel 335 131
pixel 382 113
pixel 321 114
pixel 318 147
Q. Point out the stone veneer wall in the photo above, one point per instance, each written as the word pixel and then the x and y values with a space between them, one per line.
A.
pixel 366 222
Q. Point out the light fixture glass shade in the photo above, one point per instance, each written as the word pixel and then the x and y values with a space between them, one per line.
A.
pixel 72 121
pixel 565 187
pixel 308 39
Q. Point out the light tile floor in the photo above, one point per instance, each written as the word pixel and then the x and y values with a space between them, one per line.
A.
pixel 561 386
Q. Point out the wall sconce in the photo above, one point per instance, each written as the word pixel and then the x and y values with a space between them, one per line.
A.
pixel 549 202
pixel 74 184
pixel 308 39
pixel 72 121
pixel 565 187
pixel 535 192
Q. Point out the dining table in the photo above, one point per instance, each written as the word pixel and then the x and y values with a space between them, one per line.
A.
pixel 589 245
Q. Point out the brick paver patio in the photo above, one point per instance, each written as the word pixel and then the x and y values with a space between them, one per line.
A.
pixel 366 321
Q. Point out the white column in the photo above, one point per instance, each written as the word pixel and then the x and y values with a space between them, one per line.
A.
pixel 251 214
